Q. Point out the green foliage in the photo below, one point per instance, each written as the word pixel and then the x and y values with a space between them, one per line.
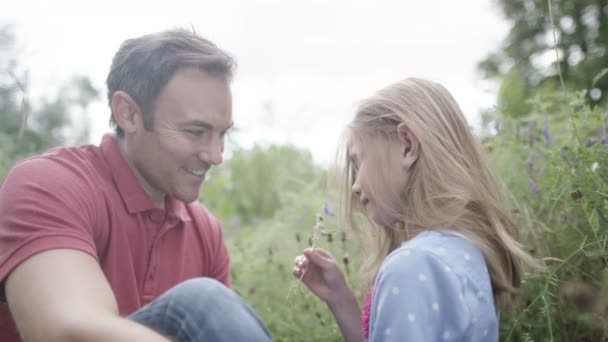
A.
pixel 555 163
pixel 513 94
pixel 581 30
pixel 255 183
pixel 28 128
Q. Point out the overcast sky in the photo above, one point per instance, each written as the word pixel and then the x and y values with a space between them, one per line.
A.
pixel 302 64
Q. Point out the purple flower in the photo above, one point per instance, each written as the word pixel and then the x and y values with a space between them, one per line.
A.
pixel 590 142
pixel 497 126
pixel 530 162
pixel 605 141
pixel 546 134
pixel 327 210
pixel 532 185
pixel 532 129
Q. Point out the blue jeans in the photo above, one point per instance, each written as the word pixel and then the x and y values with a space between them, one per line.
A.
pixel 202 309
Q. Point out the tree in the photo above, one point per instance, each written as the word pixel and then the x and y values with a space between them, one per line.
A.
pixel 581 30
pixel 27 128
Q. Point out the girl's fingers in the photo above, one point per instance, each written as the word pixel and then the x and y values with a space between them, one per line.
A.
pixel 300 261
pixel 296 271
pixel 323 252
pixel 319 259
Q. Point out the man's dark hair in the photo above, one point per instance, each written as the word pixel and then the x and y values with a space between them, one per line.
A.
pixel 143 66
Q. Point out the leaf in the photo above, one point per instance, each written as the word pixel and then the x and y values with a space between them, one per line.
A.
pixel 599 76
pixel 602 223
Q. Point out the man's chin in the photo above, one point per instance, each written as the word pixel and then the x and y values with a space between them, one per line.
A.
pixel 187 198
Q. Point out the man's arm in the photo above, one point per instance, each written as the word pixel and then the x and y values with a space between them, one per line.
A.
pixel 63 295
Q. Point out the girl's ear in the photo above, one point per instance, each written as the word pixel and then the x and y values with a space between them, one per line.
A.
pixel 410 145
pixel 126 112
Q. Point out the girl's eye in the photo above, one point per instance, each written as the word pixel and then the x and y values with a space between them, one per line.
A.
pixel 354 171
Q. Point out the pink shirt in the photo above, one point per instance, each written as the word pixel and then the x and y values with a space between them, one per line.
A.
pixel 87 198
pixel 366 313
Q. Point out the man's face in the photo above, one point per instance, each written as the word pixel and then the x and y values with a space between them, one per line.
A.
pixel 191 115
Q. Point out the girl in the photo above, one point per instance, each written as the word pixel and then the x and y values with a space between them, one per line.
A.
pixel 445 255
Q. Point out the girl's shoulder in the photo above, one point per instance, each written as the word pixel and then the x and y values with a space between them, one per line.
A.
pixel 439 281
pixel 443 251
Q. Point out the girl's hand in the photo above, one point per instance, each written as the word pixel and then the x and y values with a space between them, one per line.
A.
pixel 319 271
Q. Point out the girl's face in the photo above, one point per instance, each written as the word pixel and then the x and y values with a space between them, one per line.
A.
pixel 379 177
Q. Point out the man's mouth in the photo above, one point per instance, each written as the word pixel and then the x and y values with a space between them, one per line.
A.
pixel 197 173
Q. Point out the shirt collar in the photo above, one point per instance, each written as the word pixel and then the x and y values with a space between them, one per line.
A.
pixel 132 193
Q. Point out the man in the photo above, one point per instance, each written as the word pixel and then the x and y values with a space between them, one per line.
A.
pixel 108 242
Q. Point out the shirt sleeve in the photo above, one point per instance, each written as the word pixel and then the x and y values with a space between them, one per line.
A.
pixel 44 205
pixel 417 297
pixel 218 258
pixel 220 269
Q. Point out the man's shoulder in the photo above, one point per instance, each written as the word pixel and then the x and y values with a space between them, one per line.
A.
pixel 72 157
pixel 65 166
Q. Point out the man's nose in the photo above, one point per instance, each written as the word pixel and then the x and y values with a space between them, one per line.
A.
pixel 212 153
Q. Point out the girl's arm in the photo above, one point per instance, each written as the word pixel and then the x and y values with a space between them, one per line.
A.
pixel 347 313
pixel 321 274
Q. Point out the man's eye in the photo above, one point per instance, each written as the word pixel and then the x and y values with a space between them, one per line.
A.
pixel 196 132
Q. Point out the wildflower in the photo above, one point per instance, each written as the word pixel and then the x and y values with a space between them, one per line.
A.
pixel 605 141
pixel 590 142
pixel 576 194
pixel 530 162
pixel 346 261
pixel 532 185
pixel 546 134
pixel 594 166
pixel 497 126
pixel 327 210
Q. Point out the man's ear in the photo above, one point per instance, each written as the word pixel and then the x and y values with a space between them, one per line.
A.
pixel 126 112
pixel 410 145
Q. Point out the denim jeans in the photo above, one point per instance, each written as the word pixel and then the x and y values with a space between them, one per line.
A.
pixel 202 309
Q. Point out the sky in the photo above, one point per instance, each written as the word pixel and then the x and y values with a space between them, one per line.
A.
pixel 302 65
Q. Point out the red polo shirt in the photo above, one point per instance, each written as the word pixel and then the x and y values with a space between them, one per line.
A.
pixel 87 198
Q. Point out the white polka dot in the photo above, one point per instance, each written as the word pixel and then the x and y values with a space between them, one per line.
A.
pixel 479 294
pixel 446 335
pixel 435 306
pixel 441 250
pixel 421 277
pixel 485 333
pixel 467 256
pixel 448 269
pixel 411 317
pixel 474 320
pixel 396 291
pixel 460 296
pixel 407 252
pixel 387 332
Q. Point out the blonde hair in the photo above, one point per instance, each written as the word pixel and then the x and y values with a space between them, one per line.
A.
pixel 450 186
